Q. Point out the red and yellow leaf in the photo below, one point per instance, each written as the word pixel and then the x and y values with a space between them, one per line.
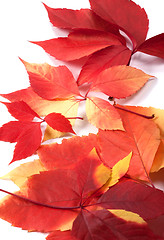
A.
pixel 120 81
pixel 51 82
pixel 102 224
pixel 135 197
pixel 141 136
pixel 102 114
pixel 68 153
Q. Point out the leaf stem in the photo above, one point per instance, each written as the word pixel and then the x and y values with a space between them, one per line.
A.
pixel 40 204
pixel 138 114
pixel 80 118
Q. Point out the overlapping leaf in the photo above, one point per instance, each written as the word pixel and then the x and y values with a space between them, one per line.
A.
pixel 153 46
pixel 76 19
pixel 101 60
pixel 141 136
pixel 79 44
pixel 129 16
pixel 102 114
pixel 120 81
pixel 27 132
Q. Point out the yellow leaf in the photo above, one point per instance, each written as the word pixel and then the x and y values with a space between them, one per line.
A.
pixel 127 216
pixel 119 170
pixel 68 108
pixel 107 177
pixel 20 174
pixel 158 162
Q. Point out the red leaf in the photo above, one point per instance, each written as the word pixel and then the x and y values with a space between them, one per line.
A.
pixel 68 153
pixel 61 235
pixel 153 46
pixel 58 122
pixel 120 81
pixel 78 44
pixel 51 82
pixel 103 225
pixel 21 111
pixel 78 19
pixel 55 197
pixel 135 197
pixel 28 141
pixel 11 131
pixel 141 136
pixel 129 16
pixel 101 60
pixel 45 189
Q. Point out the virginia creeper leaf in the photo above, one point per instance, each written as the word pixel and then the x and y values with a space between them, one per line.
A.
pixel 68 107
pixel 11 131
pixel 135 197
pixel 59 122
pixel 129 16
pixel 51 82
pixel 68 153
pixel 141 136
pixel 101 60
pixel 49 208
pixel 153 46
pixel 102 224
pixel 61 235
pixel 158 119
pixel 21 111
pixel 28 141
pixel 20 174
pixel 120 81
pixel 75 19
pixel 102 114
pixel 78 44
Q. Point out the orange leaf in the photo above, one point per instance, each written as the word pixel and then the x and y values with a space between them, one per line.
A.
pixel 141 136
pixel 102 114
pixel 120 81
pixel 51 82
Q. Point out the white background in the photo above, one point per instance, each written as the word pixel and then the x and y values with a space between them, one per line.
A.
pixel 23 20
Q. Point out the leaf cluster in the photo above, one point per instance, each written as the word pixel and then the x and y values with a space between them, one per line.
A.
pixel 96 186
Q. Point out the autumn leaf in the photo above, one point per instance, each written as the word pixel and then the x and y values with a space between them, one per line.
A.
pixel 68 153
pixel 59 122
pixel 56 206
pixel 153 46
pixel 21 111
pixel 20 174
pixel 129 16
pixel 158 114
pixel 62 235
pixel 102 114
pixel 120 81
pixel 51 82
pixel 76 19
pixel 141 136
pixel 78 44
pixel 102 224
pixel 43 107
pixel 101 60
pixel 135 197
